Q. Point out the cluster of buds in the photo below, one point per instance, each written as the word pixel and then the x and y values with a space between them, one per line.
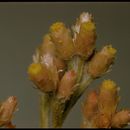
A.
pixel 7 109
pixel 66 60
pixel 59 47
pixel 100 108
pixel 47 68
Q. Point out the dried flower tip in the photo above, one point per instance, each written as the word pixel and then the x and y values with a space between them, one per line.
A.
pixel 108 97
pixel 46 47
pixel 84 17
pixel 7 109
pixel 84 35
pixel 39 74
pixel 67 85
pixel 109 85
pixel 101 61
pixel 121 119
pixel 109 50
pixel 36 57
pixel 57 26
pixel 61 36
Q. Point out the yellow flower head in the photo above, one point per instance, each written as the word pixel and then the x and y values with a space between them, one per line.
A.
pixel 101 61
pixel 108 97
pixel 109 50
pixel 109 85
pixel 40 76
pixel 85 37
pixel 61 37
pixel 88 26
pixel 34 69
pixel 57 26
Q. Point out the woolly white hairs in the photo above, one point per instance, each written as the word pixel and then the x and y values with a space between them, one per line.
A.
pixel 84 17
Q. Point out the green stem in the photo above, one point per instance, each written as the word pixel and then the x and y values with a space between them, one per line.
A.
pixel 45 101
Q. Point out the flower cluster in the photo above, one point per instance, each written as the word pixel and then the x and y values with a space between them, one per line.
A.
pixel 60 46
pixel 100 108
pixel 65 63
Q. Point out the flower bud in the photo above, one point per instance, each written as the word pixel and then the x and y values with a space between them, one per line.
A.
pixel 101 61
pixel 54 64
pixel 61 36
pixel 90 106
pixel 84 35
pixel 121 119
pixel 67 85
pixel 47 46
pixel 7 109
pixel 41 77
pixel 90 109
pixel 46 55
pixel 108 97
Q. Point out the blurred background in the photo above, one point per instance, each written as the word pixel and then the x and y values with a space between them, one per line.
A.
pixel 22 26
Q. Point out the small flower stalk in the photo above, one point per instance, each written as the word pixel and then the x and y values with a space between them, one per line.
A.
pixel 64 65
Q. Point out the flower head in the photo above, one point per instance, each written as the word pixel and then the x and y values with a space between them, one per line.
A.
pixel 47 67
pixel 62 39
pixel 108 97
pixel 41 77
pixel 101 61
pixel 84 35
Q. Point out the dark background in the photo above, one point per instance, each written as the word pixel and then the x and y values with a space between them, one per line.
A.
pixel 22 26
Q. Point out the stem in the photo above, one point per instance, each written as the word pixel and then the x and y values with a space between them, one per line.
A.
pixel 57 118
pixel 77 63
pixel 45 101
pixel 61 109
